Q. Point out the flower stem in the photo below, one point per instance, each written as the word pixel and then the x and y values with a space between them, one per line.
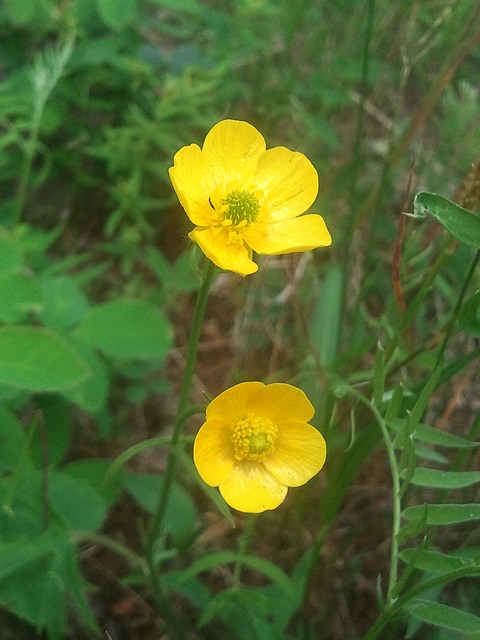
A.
pixel 182 413
pixel 394 470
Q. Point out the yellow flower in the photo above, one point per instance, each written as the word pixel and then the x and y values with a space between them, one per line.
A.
pixel 244 198
pixel 256 442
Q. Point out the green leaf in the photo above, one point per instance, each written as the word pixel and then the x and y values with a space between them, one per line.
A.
pixel 444 479
pixel 326 319
pixel 19 296
pixel 11 254
pixel 437 562
pixel 78 504
pixel 267 568
pixel 55 436
pixel 462 224
pixel 430 435
pixel 127 329
pixel 64 303
pixel 11 440
pixel 180 5
pixel 38 576
pixel 442 615
pixel 94 471
pixel 438 514
pixel 91 394
pixel 21 11
pixel 39 360
pixel 469 317
pixel 247 612
pixel 117 14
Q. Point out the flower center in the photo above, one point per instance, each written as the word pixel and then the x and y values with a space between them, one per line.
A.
pixel 242 206
pixel 253 438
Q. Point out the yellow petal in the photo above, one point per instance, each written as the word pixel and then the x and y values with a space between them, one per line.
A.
pixel 289 182
pixel 193 184
pixel 300 452
pixel 234 403
pixel 251 488
pixel 216 243
pixel 231 151
pixel 213 452
pixel 298 234
pixel 281 402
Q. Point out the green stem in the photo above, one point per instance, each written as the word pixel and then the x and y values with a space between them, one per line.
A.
pixel 243 543
pixel 458 306
pixel 182 412
pixel 197 322
pixel 392 579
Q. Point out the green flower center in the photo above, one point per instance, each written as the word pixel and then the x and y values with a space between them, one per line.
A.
pixel 253 438
pixel 242 206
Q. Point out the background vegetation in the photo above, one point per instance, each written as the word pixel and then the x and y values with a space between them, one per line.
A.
pixel 98 283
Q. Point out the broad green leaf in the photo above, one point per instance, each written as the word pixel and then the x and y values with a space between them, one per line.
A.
pixel 442 615
pixel 180 515
pixel 437 562
pixel 117 14
pixel 91 394
pixel 64 303
pixel 469 317
pixel 11 254
pixel 76 502
pixel 14 555
pixel 444 479
pixel 19 295
pixel 21 11
pixel 38 577
pixel 94 471
pixel 462 224
pixel 38 359
pixel 127 329
pixel 438 514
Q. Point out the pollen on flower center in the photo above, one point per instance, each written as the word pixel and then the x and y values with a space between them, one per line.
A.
pixel 253 438
pixel 242 206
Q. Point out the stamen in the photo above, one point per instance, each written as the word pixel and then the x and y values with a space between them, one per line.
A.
pixel 253 438
pixel 242 207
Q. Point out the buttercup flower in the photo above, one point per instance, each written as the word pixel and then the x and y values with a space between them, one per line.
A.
pixel 244 198
pixel 256 442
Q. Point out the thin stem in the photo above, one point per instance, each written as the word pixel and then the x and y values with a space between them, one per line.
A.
pixel 197 322
pixel 458 306
pixel 243 542
pixel 392 579
pixel 161 599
